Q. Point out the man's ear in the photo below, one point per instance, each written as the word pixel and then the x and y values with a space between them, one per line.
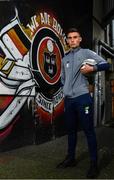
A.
pixel 80 39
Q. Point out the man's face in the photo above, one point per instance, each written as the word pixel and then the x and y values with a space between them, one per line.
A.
pixel 74 39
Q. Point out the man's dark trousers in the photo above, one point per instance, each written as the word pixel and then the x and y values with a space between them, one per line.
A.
pixel 80 109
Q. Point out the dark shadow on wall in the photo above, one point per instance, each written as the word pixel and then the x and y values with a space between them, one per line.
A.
pixel 28 131
pixel 76 13
pixel 22 131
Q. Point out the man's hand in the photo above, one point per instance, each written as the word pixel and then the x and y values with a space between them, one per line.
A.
pixel 85 69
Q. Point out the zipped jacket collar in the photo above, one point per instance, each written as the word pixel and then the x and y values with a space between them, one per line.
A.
pixel 75 49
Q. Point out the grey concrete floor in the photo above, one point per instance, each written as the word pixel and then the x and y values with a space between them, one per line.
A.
pixel 39 161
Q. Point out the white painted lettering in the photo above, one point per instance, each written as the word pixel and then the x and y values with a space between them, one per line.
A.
pixel 34 24
pixel 45 18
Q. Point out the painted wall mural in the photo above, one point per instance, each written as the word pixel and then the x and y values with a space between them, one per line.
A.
pixel 30 67
pixel 32 44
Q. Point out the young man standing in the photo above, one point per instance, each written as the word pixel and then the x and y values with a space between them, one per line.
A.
pixel 78 101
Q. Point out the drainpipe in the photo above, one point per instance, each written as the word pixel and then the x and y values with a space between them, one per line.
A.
pixel 100 48
pixel 99 88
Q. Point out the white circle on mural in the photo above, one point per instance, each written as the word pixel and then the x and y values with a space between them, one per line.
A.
pixel 50 45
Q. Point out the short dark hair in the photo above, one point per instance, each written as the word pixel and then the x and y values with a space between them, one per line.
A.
pixel 72 29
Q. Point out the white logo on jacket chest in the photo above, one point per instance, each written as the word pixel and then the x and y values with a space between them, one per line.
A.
pixel 67 64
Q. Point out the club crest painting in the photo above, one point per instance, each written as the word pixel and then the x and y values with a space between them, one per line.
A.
pixel 32 45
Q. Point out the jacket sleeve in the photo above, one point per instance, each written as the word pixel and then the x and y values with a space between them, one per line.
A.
pixel 102 64
pixel 62 74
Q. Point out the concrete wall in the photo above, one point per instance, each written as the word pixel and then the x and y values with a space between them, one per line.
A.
pixel 98 31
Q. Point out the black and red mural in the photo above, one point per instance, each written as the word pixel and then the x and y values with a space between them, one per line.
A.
pixel 32 44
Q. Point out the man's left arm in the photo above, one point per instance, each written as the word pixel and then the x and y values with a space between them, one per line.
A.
pixel 101 63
